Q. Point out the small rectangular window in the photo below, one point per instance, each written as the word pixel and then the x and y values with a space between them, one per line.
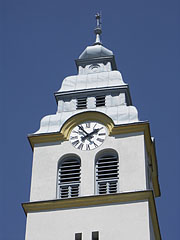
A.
pixel 81 103
pixel 95 235
pixel 78 236
pixel 100 101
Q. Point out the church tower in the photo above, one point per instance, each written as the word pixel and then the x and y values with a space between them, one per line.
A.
pixel 94 173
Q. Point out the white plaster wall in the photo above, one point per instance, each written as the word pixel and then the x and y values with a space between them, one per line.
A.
pixel 132 166
pixel 128 221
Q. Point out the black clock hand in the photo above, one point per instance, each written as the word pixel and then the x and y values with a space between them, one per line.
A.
pixel 95 131
pixel 89 135
pixel 86 137
pixel 81 128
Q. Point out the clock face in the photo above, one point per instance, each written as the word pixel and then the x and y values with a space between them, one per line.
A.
pixel 88 135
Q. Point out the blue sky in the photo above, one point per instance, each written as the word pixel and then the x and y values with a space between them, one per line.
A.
pixel 39 42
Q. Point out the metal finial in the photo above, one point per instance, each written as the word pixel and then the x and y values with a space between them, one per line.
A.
pixel 98 17
pixel 98 29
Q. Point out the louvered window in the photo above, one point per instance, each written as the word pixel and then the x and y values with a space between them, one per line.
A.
pixel 81 103
pixel 107 173
pixel 100 101
pixel 69 177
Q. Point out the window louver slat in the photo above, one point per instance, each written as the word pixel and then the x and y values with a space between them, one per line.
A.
pixel 100 101
pixel 81 103
pixel 107 160
pixel 72 173
pixel 107 187
pixel 107 174
pixel 69 178
pixel 113 167
pixel 107 157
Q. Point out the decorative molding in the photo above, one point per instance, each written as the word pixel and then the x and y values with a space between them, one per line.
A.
pixel 97 200
pixel 84 62
pixel 94 92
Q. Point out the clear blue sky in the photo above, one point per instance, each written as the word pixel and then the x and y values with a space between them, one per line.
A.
pixel 40 40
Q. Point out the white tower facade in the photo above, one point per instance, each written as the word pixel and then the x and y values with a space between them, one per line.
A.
pixel 94 174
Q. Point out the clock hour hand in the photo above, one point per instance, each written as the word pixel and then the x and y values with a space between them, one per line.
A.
pixel 90 135
pixel 95 131
pixel 86 137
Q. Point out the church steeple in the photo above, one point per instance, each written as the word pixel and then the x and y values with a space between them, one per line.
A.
pixel 94 163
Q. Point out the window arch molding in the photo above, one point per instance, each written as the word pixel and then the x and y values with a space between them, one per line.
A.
pixel 107 171
pixel 68 176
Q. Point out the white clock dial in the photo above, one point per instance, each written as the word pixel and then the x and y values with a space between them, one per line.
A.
pixel 88 135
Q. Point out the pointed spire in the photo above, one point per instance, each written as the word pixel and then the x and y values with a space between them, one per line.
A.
pixel 98 29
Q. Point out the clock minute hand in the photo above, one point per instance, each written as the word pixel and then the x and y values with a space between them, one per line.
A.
pixel 80 127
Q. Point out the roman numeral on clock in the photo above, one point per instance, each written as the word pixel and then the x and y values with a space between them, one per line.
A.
pixel 88 124
pixel 87 147
pixel 80 146
pixel 100 140
pixel 75 137
pixel 75 143
pixel 101 134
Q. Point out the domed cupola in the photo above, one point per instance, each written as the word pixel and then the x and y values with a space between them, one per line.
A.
pixel 96 53
pixel 97 50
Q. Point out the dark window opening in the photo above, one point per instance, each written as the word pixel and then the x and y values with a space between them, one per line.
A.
pixel 95 235
pixel 81 103
pixel 78 236
pixel 100 101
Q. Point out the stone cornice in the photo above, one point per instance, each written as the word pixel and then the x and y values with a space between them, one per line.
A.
pixel 93 91
pixel 98 200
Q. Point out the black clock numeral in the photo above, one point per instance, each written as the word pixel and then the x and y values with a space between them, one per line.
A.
pixel 87 147
pixel 94 126
pixel 88 124
pixel 80 146
pixel 75 137
pixel 101 134
pixel 100 140
pixel 75 131
pixel 95 144
pixel 75 143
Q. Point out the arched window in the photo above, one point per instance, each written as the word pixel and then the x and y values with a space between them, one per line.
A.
pixel 69 177
pixel 107 172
